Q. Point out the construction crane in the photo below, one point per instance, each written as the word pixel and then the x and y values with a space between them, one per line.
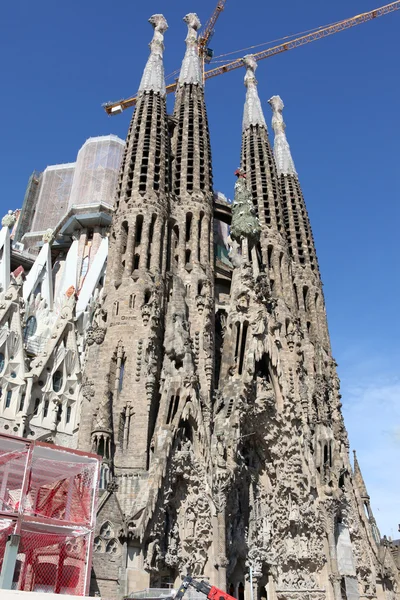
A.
pixel 206 34
pixel 112 108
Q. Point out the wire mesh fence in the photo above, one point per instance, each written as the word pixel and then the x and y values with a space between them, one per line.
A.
pixel 51 561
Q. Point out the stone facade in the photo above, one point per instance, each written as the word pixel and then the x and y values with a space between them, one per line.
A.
pixel 208 386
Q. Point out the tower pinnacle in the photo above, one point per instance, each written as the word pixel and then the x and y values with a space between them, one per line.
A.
pixel 153 75
pixel 191 68
pixel 359 480
pixel 283 157
pixel 253 113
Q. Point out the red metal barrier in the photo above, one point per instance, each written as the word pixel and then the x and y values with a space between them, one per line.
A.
pixel 48 496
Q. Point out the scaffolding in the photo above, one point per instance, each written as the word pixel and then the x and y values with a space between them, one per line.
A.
pixel 55 190
pixel 48 498
pixel 97 169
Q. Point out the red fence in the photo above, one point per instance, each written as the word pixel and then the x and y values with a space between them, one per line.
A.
pixel 48 497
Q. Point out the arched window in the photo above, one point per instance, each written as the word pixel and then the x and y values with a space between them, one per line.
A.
pixel 2 361
pixel 106 530
pixel 112 547
pixel 30 328
pixel 57 381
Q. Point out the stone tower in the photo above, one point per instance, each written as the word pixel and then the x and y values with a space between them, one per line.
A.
pixel 218 415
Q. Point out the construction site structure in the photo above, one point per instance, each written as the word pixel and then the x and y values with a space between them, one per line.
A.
pixel 48 501
pixel 198 366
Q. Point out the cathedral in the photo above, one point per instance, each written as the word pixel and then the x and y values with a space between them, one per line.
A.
pixel 184 339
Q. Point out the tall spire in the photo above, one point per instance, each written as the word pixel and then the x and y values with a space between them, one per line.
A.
pixel 191 71
pixel 253 113
pixel 153 75
pixel 283 157
pixel 359 480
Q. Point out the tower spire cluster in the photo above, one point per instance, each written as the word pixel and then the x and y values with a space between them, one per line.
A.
pixel 209 386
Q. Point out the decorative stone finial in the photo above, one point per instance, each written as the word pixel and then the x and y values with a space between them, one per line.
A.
pixel 48 236
pixel 283 157
pixel 245 223
pixel 253 113
pixel 9 220
pixel 153 75
pixel 191 67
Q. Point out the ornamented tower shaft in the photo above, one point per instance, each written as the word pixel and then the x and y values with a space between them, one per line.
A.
pixel 258 164
pixel 307 286
pixel 192 207
pixel 126 398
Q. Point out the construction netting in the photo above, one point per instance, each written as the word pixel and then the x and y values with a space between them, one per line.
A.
pixel 52 560
pixel 48 497
pixel 96 172
pixel 54 193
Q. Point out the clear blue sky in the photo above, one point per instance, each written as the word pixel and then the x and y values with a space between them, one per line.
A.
pixel 61 61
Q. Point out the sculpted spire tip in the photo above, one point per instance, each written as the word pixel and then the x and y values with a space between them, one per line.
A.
pixel 191 71
pixel 153 79
pixel 253 113
pixel 283 157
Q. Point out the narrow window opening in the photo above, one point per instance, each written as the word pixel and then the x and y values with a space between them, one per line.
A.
pixel 121 375
pixel 188 226
pixel 22 402
pixel 243 347
pixel 136 261
pixel 124 236
pixel 8 398
pixel 343 592
pixel 171 404
pixel 116 308
pixel 187 256
pixel 175 410
pixel 237 340
pixel 132 298
pixel 68 416
pixel 36 408
pixel 139 228
pixel 46 409
pixel 326 456
pixel 270 252
pixel 296 296
pixel 200 232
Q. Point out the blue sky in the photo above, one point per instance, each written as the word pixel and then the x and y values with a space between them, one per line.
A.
pixel 60 61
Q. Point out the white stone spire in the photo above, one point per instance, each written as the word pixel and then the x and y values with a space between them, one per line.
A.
pixel 283 157
pixel 191 71
pixel 253 113
pixel 153 79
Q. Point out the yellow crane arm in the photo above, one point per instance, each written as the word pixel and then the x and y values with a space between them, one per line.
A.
pixel 206 33
pixel 112 108
pixel 310 37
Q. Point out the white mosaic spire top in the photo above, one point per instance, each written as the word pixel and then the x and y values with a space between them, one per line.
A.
pixel 283 157
pixel 153 79
pixel 253 113
pixel 191 71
